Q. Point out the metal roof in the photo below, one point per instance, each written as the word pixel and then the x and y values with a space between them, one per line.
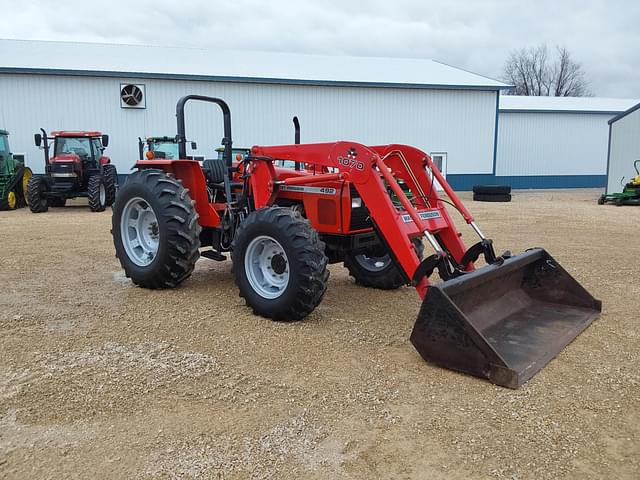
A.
pixel 74 58
pixel 625 113
pixel 514 103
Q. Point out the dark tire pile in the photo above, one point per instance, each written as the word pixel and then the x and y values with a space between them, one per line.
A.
pixel 492 193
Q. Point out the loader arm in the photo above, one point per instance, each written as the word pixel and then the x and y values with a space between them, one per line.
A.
pixel 371 173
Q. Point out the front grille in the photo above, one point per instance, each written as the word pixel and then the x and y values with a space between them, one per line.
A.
pixel 359 216
pixel 58 167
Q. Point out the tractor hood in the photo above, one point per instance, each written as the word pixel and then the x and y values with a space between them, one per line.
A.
pixel 65 158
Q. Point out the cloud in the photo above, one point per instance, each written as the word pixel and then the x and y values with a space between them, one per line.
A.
pixel 478 36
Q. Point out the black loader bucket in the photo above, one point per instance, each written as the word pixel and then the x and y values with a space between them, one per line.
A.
pixel 503 322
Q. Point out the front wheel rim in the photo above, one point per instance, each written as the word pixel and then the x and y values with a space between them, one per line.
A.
pixel 373 264
pixel 103 194
pixel 267 267
pixel 140 231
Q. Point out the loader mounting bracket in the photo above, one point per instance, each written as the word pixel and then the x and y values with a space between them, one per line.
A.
pixel 428 265
pixel 483 247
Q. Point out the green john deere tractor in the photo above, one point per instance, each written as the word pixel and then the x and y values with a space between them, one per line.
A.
pixel 14 176
pixel 630 194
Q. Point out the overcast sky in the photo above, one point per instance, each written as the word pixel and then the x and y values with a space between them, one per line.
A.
pixel 604 36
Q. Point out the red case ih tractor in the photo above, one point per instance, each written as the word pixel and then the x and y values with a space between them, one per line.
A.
pixel 368 206
pixel 78 168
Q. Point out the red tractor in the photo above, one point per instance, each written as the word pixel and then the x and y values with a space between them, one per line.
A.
pixel 78 168
pixel 285 212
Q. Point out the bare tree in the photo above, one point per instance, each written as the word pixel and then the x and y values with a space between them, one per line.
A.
pixel 534 73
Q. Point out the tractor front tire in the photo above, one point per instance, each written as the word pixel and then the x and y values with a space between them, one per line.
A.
pixel 37 188
pixel 10 202
pixel 97 193
pixel 279 264
pixel 110 175
pixel 377 271
pixel 155 230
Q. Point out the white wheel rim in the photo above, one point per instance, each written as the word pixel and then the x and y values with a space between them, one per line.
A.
pixel 103 194
pixel 139 231
pixel 373 264
pixel 267 267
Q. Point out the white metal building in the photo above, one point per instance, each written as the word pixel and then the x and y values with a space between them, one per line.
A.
pixel 78 86
pixel 554 142
pixel 624 148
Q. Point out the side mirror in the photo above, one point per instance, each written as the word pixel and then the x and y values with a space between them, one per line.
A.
pixel 194 145
pixel 38 139
pixel 105 140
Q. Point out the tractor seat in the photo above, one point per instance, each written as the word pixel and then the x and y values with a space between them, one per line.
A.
pixel 213 170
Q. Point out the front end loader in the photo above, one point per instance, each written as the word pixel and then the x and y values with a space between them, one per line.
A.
pixel 285 212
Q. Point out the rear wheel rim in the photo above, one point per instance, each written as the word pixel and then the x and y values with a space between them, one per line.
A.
pixel 373 264
pixel 267 267
pixel 26 176
pixel 140 231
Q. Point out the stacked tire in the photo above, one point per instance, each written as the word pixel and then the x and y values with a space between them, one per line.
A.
pixel 492 193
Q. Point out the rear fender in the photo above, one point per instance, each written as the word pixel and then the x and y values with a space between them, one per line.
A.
pixel 189 172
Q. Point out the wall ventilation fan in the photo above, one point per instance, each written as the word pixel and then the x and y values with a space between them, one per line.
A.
pixel 132 95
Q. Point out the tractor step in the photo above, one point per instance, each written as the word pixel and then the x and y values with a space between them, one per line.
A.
pixel 213 255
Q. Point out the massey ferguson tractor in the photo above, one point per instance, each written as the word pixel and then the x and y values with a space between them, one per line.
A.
pixel 78 168
pixel 367 206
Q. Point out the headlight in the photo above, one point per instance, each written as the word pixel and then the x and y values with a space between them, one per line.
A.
pixel 356 202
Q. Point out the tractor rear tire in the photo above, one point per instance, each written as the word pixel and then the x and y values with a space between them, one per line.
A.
pixel 279 264
pixel 21 187
pixel 97 193
pixel 37 194
pixel 110 175
pixel 173 228
pixel 380 272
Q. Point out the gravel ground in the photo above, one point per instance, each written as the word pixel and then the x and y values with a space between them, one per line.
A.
pixel 100 379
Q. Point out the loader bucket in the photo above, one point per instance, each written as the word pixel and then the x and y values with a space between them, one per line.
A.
pixel 503 322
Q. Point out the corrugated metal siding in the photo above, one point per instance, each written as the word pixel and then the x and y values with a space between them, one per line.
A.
pixel 552 144
pixel 625 149
pixel 458 122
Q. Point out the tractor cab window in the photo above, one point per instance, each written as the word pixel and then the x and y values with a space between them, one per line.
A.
pixel 4 156
pixel 78 146
pixel 237 154
pixel 4 148
pixel 97 148
pixel 164 150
